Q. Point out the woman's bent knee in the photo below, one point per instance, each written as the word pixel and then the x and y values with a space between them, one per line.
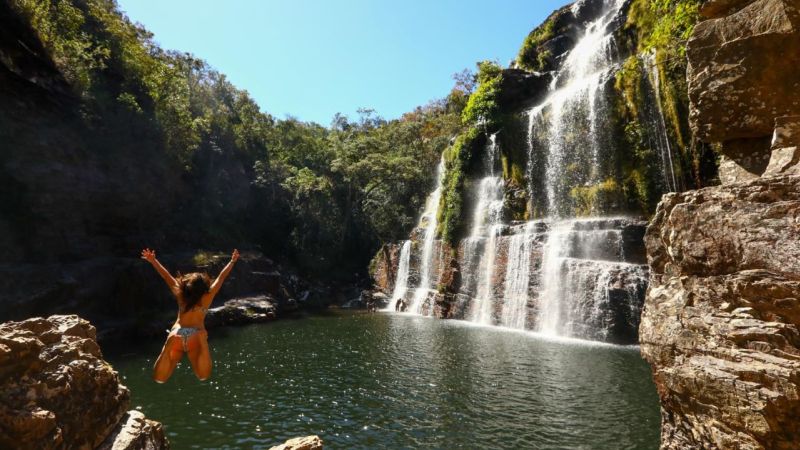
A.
pixel 203 375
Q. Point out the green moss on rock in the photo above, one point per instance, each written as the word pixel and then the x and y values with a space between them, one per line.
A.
pixel 458 159
pixel 600 198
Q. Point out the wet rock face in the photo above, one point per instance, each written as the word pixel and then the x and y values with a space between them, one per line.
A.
pixel 57 392
pixel 383 268
pixel 721 321
pixel 743 67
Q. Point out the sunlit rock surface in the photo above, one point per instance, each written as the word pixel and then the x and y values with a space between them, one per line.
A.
pixel 720 324
pixel 57 392
pixel 303 443
pixel 743 76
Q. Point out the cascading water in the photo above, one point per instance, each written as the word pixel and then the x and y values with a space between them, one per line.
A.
pixel 568 133
pixel 485 229
pixel 574 116
pixel 583 272
pixel 429 221
pixel 517 281
pixel 657 128
pixel 401 280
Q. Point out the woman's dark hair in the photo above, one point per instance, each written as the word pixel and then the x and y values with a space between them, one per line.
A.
pixel 193 286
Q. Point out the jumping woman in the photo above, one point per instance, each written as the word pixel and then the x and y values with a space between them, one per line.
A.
pixel 194 293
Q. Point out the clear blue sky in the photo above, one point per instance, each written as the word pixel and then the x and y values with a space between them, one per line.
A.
pixel 313 58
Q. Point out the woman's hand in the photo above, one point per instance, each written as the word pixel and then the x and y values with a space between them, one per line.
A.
pixel 235 255
pixel 149 255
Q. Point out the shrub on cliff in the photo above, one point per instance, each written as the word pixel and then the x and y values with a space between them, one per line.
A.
pixel 482 107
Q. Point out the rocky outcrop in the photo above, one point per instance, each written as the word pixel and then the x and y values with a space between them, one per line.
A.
pixel 57 392
pixel 383 267
pixel 240 311
pixel 303 443
pixel 721 325
pixel 742 75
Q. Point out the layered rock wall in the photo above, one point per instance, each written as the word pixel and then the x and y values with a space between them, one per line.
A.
pixel 721 322
pixel 743 79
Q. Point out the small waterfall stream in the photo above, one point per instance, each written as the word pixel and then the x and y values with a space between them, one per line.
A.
pixel 429 221
pixel 485 229
pixel 657 125
pixel 401 280
pixel 517 283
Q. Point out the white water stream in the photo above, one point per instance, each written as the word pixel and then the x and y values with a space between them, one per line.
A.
pixel 429 221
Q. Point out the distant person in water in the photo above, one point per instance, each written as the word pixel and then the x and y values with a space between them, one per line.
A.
pixel 194 292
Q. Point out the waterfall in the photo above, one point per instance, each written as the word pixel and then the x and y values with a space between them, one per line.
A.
pixel 560 275
pixel 583 271
pixel 429 221
pixel 401 280
pixel 486 220
pixel 583 274
pixel 573 116
pixel 658 124
pixel 516 289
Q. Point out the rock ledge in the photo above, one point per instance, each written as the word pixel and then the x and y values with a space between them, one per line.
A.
pixel 56 391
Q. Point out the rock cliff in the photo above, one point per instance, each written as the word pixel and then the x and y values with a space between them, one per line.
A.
pixel 720 325
pixel 77 203
pixel 57 392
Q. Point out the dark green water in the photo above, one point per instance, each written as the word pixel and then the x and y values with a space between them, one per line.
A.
pixel 398 381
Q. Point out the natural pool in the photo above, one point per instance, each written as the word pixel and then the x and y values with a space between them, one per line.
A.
pixel 395 381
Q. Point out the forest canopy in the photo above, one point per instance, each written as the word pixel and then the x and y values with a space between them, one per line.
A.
pixel 323 194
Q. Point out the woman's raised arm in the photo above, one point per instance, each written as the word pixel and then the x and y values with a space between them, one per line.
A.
pixel 217 284
pixel 150 256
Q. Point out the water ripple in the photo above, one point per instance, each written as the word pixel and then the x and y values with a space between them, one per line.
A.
pixel 400 381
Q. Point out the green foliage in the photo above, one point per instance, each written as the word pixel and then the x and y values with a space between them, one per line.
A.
pixel 319 195
pixel 204 258
pixel 451 207
pixel 482 107
pixel 664 25
pixel 661 28
pixel 530 56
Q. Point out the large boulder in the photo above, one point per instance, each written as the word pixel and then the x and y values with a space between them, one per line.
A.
pixel 57 392
pixel 721 322
pixel 240 311
pixel 711 9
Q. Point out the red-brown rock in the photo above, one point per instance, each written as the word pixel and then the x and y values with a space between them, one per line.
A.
pixel 721 323
pixel 57 392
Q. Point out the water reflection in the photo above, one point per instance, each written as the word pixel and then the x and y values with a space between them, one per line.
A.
pixel 400 381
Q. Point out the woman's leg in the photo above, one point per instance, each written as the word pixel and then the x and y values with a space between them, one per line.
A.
pixel 200 356
pixel 168 359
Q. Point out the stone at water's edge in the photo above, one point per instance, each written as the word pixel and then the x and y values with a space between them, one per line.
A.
pixel 302 443
pixel 57 392
pixel 721 320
